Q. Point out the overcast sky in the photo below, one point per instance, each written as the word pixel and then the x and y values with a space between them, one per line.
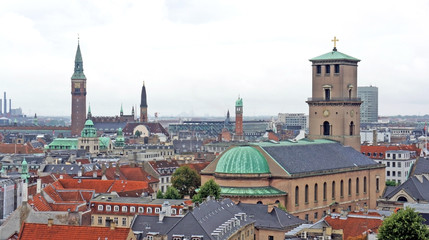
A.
pixel 196 57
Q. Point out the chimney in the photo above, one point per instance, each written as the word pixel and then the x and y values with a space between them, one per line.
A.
pixel 10 106
pixel 94 174
pixel 5 103
pixel 161 216
pixel 39 186
pixel 270 207
pixel 374 137
pixel 50 222
pixel 80 171
pixel 1 106
pixel 112 225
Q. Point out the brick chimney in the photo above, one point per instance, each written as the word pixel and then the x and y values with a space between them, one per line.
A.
pixel 50 222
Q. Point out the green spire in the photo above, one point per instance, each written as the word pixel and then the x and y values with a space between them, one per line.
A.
pixel 24 170
pixel 122 110
pixel 78 65
pixel 239 102
pixel 89 115
pixel 120 141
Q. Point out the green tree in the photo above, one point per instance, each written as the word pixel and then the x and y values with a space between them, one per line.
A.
pixel 403 225
pixel 138 133
pixel 390 183
pixel 172 193
pixel 159 194
pixel 186 180
pixel 210 188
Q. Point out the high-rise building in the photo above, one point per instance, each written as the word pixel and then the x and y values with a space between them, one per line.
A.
pixel 78 92
pixel 369 107
pixel 334 106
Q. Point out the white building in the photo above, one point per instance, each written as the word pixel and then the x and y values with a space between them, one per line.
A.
pixel 398 163
pixel 294 120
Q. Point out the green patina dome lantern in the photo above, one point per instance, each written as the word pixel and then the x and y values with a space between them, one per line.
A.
pixel 242 160
pixel 89 129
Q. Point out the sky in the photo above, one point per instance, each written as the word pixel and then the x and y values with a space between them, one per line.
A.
pixel 197 57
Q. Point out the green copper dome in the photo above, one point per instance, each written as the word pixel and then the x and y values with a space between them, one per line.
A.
pixel 239 102
pixel 242 160
pixel 89 129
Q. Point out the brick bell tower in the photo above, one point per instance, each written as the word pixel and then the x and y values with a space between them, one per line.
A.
pixel 143 105
pixel 239 120
pixel 78 92
pixel 334 108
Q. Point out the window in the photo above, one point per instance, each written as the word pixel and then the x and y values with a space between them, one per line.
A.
pixel 318 69
pixel 388 164
pixel 92 220
pixel 364 184
pixel 327 69
pixel 157 210
pixel 350 186
pixel 357 186
pixel 342 188
pixel 296 195
pixel 327 94
pixel 315 192
pixel 333 190
pixel 149 210
pixel 270 237
pixel 387 173
pixel 324 191
pixel 316 215
pixel 377 184
pixel 124 209
pixel 116 208
pixel 100 220
pixel 326 128
pixel 108 208
pixel 399 164
pixel 141 209
pixel 100 207
pixel 173 211
pixel 124 221
pixel 306 194
pixel 399 173
pixel 115 220
pixel 393 173
pixel 393 164
pixel 132 209
pixel 306 217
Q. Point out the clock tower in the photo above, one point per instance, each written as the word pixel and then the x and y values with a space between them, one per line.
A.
pixel 334 108
pixel 78 92
pixel 239 136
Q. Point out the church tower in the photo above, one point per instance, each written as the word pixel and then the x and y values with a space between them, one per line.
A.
pixel 143 106
pixel 78 92
pixel 239 119
pixel 334 108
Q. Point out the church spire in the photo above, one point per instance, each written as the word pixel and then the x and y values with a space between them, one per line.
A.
pixel 78 65
pixel 89 116
pixel 122 110
pixel 143 102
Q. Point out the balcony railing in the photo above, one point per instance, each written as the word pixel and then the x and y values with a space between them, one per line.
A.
pixel 335 99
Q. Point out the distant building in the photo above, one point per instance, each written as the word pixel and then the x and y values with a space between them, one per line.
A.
pixel 369 107
pixel 294 121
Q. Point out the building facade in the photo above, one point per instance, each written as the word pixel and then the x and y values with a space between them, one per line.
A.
pixel 294 121
pixel 369 107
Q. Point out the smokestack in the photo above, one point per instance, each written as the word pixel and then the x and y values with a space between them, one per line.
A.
pixel 374 137
pixel 5 103
pixel 1 106
pixel 10 106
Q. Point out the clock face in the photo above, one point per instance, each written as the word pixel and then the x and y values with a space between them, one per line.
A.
pixel 77 85
pixel 326 113
pixel 352 113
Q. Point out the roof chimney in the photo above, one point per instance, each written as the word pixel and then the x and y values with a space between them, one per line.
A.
pixel 112 225
pixel 39 185
pixel 50 222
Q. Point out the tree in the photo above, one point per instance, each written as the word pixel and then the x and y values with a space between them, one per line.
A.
pixel 138 134
pixel 159 194
pixel 210 188
pixel 391 183
pixel 186 180
pixel 402 225
pixel 172 193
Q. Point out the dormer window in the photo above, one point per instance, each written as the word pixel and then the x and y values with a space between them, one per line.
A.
pixel 108 208
pixel 100 207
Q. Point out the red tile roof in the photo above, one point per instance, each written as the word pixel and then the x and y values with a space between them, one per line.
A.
pixel 83 161
pixel 102 186
pixel 197 166
pixel 382 149
pixel 355 226
pixel 43 231
pixel 18 148
pixel 164 167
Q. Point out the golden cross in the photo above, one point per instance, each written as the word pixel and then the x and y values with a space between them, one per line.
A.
pixel 335 40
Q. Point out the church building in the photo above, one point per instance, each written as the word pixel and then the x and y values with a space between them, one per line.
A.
pixel 311 177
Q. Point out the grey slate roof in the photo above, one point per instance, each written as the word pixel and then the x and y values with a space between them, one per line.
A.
pixel 317 157
pixel 143 224
pixel 276 219
pixel 71 169
pixel 416 187
pixel 109 127
pixel 421 166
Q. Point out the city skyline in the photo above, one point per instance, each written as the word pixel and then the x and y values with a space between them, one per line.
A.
pixel 197 57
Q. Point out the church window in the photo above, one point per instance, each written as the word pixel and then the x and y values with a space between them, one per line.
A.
pixel 342 188
pixel 327 69
pixel 402 199
pixel 318 69
pixel 333 190
pixel 352 128
pixel 327 94
pixel 326 128
pixel 337 68
pixel 350 93
pixel 324 191
pixel 306 194
pixel 357 186
pixel 315 192
pixel 377 184
pixel 364 184
pixel 350 187
pixel 296 195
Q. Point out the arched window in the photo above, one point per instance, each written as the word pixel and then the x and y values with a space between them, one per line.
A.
pixel 350 186
pixel 342 188
pixel 352 128
pixel 306 194
pixel 377 184
pixel 364 184
pixel 333 190
pixel 315 192
pixel 357 186
pixel 326 128
pixel 350 93
pixel 296 195
pixel 259 202
pixel 324 191
pixel 402 199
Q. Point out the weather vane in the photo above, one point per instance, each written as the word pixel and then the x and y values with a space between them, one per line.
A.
pixel 335 40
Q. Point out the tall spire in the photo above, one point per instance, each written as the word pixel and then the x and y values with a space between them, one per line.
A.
pixel 78 65
pixel 122 110
pixel 143 102
pixel 89 116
